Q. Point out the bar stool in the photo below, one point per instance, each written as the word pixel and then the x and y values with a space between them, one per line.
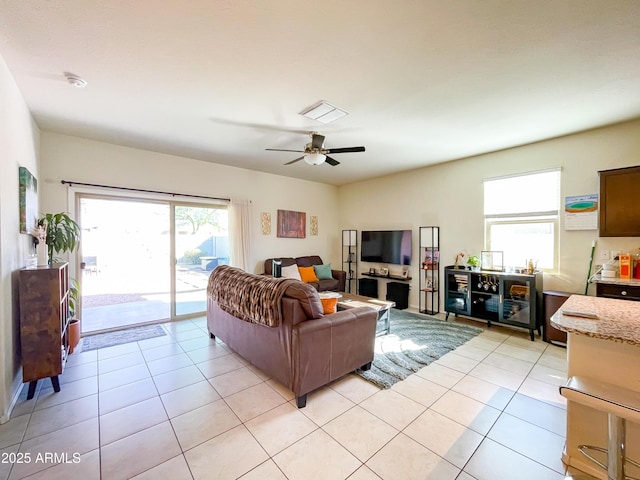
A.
pixel 620 404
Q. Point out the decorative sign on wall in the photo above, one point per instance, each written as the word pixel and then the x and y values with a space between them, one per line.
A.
pixel 28 200
pixel 581 212
pixel 292 224
pixel 313 224
pixel 265 223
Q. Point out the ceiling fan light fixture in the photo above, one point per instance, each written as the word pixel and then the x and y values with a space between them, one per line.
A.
pixel 315 158
pixel 75 80
pixel 323 112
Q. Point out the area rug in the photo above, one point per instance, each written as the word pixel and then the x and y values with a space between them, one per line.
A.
pixel 111 339
pixel 413 342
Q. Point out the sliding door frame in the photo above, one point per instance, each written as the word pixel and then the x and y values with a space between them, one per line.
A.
pixel 76 193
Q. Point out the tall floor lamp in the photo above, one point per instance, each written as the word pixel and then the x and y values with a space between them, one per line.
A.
pixel 349 256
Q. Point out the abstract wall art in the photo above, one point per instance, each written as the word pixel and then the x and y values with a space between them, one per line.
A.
pixel 292 224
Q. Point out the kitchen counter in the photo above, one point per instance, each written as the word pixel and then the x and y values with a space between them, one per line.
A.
pixel 618 320
pixel 633 282
pixel 605 349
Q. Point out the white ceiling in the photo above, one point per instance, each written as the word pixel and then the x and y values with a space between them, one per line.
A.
pixel 424 81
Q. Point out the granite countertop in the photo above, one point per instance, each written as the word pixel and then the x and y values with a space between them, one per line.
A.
pixel 616 281
pixel 618 320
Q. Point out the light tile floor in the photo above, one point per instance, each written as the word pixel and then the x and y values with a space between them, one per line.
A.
pixel 183 406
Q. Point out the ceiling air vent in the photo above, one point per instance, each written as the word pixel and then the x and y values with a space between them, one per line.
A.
pixel 323 112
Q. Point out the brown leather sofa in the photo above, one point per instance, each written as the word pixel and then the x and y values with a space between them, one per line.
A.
pixel 336 284
pixel 308 349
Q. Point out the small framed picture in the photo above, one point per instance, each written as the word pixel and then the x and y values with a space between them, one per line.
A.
pixel 491 260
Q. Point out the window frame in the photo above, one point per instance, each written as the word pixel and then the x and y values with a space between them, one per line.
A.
pixel 546 217
pixel 522 220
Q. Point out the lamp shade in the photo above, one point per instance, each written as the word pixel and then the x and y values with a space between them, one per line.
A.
pixel 349 238
pixel 314 158
pixel 429 237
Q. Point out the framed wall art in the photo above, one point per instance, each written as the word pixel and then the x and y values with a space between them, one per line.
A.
pixel 492 260
pixel 292 224
pixel 265 223
pixel 28 200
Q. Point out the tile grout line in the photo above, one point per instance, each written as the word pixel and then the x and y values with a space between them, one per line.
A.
pixel 362 463
pixel 170 424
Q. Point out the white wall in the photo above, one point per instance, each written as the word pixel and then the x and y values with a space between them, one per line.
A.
pixel 88 161
pixel 19 144
pixel 450 195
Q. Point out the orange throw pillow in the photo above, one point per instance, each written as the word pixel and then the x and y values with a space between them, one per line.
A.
pixel 329 302
pixel 308 274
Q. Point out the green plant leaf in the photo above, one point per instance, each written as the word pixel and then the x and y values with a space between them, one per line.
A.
pixel 63 233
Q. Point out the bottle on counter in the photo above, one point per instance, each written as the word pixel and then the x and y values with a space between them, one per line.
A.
pixel 625 265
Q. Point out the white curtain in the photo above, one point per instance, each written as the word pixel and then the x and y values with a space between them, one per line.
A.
pixel 240 232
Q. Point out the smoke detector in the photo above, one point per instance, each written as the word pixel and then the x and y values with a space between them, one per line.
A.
pixel 75 80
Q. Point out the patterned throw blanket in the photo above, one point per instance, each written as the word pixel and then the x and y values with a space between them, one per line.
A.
pixel 252 298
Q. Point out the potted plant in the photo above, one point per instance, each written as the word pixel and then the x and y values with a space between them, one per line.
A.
pixel 473 262
pixel 62 233
pixel 63 236
pixel 74 323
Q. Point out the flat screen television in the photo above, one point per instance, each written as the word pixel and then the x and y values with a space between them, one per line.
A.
pixel 386 246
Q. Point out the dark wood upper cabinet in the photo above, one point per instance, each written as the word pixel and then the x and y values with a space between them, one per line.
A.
pixel 620 202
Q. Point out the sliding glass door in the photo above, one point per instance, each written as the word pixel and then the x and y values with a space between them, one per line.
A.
pixel 146 261
pixel 201 244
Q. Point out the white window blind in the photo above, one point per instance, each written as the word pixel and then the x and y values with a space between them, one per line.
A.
pixel 530 194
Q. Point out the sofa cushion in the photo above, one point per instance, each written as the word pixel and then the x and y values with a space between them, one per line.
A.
pixel 308 261
pixel 307 274
pixel 323 272
pixel 291 271
pixel 308 298
pixel 285 262
pixel 329 284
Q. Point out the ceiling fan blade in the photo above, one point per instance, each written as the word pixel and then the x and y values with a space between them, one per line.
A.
pixel 331 161
pixel 345 150
pixel 294 161
pixel 283 150
pixel 317 141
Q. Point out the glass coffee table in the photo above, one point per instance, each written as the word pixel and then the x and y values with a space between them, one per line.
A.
pixel 383 307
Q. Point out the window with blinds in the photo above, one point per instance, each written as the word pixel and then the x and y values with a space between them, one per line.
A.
pixel 522 218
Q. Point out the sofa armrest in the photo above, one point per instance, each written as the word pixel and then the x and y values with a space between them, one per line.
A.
pixel 341 276
pixel 335 320
pixel 332 346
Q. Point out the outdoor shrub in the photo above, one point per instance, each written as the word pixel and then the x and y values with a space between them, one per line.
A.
pixel 192 257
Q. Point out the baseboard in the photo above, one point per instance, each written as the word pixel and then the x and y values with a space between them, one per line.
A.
pixel 17 388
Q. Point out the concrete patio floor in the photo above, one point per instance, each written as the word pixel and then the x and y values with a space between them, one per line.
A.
pixel 114 299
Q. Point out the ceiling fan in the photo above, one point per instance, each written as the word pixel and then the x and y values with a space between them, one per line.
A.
pixel 315 153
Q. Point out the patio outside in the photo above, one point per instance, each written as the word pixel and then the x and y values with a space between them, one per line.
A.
pixel 127 276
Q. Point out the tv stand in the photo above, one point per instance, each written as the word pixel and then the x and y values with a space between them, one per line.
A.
pixel 390 277
pixel 497 297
